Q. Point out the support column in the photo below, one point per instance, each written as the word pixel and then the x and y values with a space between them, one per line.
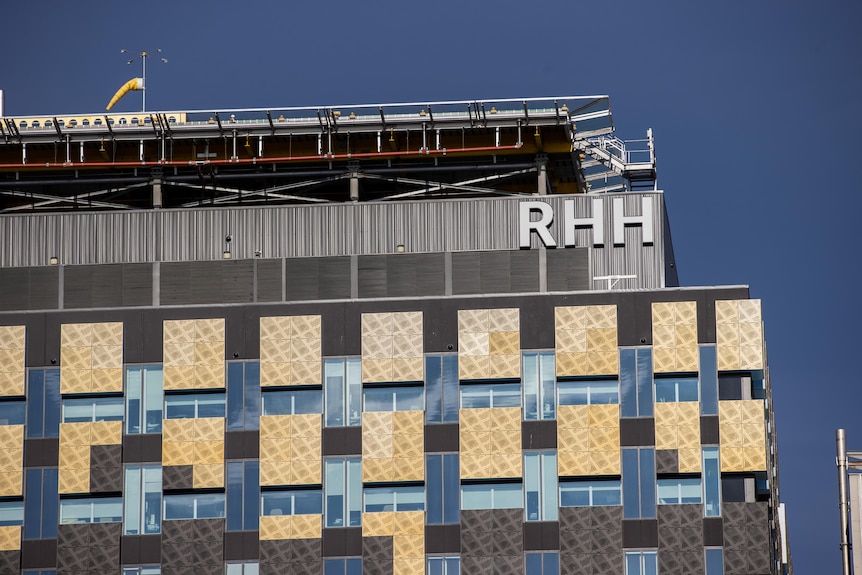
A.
pixel 542 165
pixel 354 181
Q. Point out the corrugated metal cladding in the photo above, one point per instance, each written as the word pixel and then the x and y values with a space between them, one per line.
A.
pixel 377 228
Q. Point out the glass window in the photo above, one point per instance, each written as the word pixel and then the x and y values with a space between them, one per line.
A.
pixel 641 563
pixel 144 397
pixel 41 503
pixel 712 482
pixel 393 398
pixel 292 502
pixel 540 486
pixel 444 565
pixel 243 495
pixel 679 490
pixel 636 385
pixel 539 377
pixel 542 563
pixel 142 500
pixel 91 510
pixel 492 496
pixel 194 405
pixel 588 391
pixel 708 381
pixel 11 513
pixel 194 506
pixel 394 498
pixel 639 483
pixel 43 403
pixel 12 412
pixel 343 392
pixel 676 389
pixel 92 409
pixel 40 572
pixel 243 395
pixel 343 489
pixel 292 402
pixel 442 488
pixel 144 570
pixel 248 568
pixel 594 493
pixel 441 389
pixel 714 561
pixel 490 395
pixel 342 566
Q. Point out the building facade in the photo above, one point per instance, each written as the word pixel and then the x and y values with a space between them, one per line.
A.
pixel 441 385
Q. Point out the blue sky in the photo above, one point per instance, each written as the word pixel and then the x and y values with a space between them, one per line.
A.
pixel 754 105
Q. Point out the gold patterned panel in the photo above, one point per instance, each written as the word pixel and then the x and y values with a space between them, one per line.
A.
pixel 11 460
pixel 193 353
pixel 489 343
pixel 742 430
pixel 10 538
pixel 378 524
pixel 689 460
pixel 674 331
pixel 12 345
pixel 392 347
pixel 276 527
pixel 91 357
pixel 586 340
pixel 588 440
pixel 393 446
pixel 106 433
pixel 739 335
pixel 290 350
pixel 290 449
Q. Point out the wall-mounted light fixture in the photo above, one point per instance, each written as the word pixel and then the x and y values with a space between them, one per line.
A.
pixel 54 260
pixel 399 248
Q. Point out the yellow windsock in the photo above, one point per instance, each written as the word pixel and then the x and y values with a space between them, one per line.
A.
pixel 132 85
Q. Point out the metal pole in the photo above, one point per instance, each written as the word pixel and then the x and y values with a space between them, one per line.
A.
pixel 144 76
pixel 841 462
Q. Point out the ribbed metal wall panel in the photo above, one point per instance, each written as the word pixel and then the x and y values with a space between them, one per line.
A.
pixel 322 230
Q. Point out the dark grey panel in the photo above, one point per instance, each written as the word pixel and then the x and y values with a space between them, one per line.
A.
pixel 145 448
pixel 524 271
pixel 241 444
pixel 640 533
pixel 475 520
pixel 430 274
pixel 73 536
pixel 177 477
pixel 29 288
pixel 709 434
pixel 241 546
pixel 568 269
pixel 495 273
pixel 317 278
pixel 441 437
pixel 106 479
pixel 104 557
pixel 107 285
pixel 713 532
pixel 342 441
pixel 372 277
pixel 342 542
pixel 729 386
pixel 39 554
pixel 637 431
pixel 541 536
pixel 140 549
pixel 537 323
pixel 539 434
pixel 269 280
pixel 275 552
pixel 732 490
pixel 377 549
pixel 41 452
pixel 443 539
pixel 666 461
pixel 575 519
pixel 73 559
pixel 477 565
pixel 197 283
pixel 465 273
pixel 10 561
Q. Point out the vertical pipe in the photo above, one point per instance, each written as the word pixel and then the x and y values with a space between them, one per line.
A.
pixel 841 461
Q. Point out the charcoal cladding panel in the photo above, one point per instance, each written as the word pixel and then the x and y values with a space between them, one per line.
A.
pixel 568 269
pixel 269 280
pixel 495 272
pixel 591 540
pixel 200 283
pixel 29 288
pixel 111 285
pixel 317 278
pixel 401 275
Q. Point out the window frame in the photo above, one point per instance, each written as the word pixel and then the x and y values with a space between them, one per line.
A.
pixel 242 497
pixel 641 556
pixel 92 502
pixel 405 389
pixel 42 501
pixel 113 401
pixel 539 385
pixel 196 396
pixel 665 487
pixel 136 502
pixel 196 497
pixel 590 490
pixel 688 381
pixel 495 486
pixel 140 389
pixel 243 402
pixel 546 483
pixel 269 395
pixel 350 566
pixel 349 483
pixel 397 492
pixel 491 387
pixel 564 383
pixel 292 494
pixel 15 407
pixel 441 386
pixel 43 403
pixel 445 561
pixel 15 508
pixel 546 565
pixel 445 509
pixel 342 407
